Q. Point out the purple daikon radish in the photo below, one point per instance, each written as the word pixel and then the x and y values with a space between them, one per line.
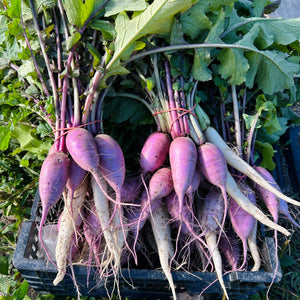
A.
pixel 52 182
pixel 269 199
pixel 283 209
pixel 67 228
pixel 183 160
pixel 210 218
pixel 131 189
pixel 196 181
pixel 154 151
pixel 229 246
pixel 213 166
pixel 242 222
pixel 112 168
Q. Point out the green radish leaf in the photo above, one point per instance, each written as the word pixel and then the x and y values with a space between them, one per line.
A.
pixel 107 28
pixel 5 136
pixel 14 10
pixel 29 142
pixel 234 66
pixel 267 153
pixel 194 21
pixel 95 53
pixel 72 40
pixel 199 70
pixel 156 18
pixel 78 11
pixel 258 7
pixel 275 72
pixel 114 7
pixel 265 32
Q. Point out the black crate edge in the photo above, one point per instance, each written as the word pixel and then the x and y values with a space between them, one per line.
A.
pixel 149 284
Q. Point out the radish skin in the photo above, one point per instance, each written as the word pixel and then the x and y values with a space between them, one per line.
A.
pixel 159 224
pixel 238 163
pixel 270 200
pixel 103 213
pixel 183 160
pixel 213 166
pixel 234 191
pixel 211 241
pixel 52 182
pixel 252 244
pixel 66 229
pixel 242 222
pixel 154 151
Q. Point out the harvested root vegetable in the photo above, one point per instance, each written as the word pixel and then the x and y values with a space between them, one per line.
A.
pixel 161 231
pixel 253 248
pixel 236 194
pixel 183 160
pixel 66 229
pixel 154 151
pixel 242 222
pixel 210 217
pixel 52 182
pixel 238 163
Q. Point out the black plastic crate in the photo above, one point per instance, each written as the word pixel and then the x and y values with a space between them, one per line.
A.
pixel 136 283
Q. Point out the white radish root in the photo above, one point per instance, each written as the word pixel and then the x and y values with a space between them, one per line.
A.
pixel 252 244
pixel 159 224
pixel 66 229
pixel 234 191
pixel 239 164
pixel 211 241
pixel 103 212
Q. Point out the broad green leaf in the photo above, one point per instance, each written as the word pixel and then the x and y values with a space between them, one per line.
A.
pixel 78 11
pixel 157 18
pixel 176 35
pixel 28 142
pixel 234 66
pixel 5 136
pixel 96 55
pixel 267 153
pixel 21 291
pixel 14 10
pixel 3 265
pixel 3 28
pixel 194 21
pixel 249 121
pixel 274 72
pixel 199 70
pixel 107 28
pixel 259 6
pixel 114 7
pixel 73 39
pixel 202 57
pixel 26 68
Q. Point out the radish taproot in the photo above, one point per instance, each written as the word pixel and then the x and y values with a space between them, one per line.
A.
pixel 236 194
pixel 210 217
pixel 66 229
pixel 103 212
pixel 239 164
pixel 183 160
pixel 52 183
pixel 154 151
pixel 161 231
pixel 213 166
pixel 242 222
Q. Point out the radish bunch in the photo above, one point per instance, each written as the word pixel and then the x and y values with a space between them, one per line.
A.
pixel 186 200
